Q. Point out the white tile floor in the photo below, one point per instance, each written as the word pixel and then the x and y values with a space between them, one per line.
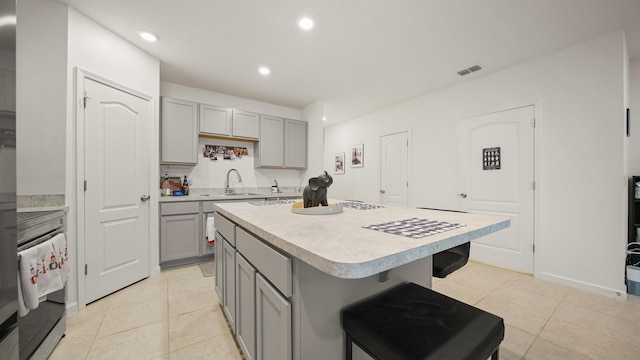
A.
pixel 176 315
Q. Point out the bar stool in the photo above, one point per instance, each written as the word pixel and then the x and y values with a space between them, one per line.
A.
pixel 411 322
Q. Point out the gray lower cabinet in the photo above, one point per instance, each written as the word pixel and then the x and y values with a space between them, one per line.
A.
pixel 179 231
pixel 229 283
pixel 246 306
pixel 182 234
pixel 219 244
pixel 254 282
pixel 273 322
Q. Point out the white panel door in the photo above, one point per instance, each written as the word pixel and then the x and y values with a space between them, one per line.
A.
pixel 116 230
pixel 394 170
pixel 495 176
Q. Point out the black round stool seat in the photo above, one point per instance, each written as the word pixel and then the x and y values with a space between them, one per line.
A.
pixel 411 322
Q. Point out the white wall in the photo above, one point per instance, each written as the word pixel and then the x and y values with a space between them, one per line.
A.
pixel 41 88
pixel 578 97
pixel 92 48
pixel 53 40
pixel 209 174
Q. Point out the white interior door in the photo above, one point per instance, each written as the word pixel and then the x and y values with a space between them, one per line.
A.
pixel 116 229
pixel 496 176
pixel 394 169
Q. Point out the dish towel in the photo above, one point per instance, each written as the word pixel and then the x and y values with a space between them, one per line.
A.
pixel 211 231
pixel 59 244
pixel 28 275
pixel 41 272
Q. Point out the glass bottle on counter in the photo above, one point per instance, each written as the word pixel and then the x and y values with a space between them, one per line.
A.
pixel 166 187
pixel 185 186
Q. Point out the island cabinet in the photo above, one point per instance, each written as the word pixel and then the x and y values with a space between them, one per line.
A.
pixel 259 310
pixel 179 132
pixel 309 268
pixel 282 143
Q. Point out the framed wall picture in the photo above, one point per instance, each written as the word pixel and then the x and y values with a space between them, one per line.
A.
pixel 338 163
pixel 357 156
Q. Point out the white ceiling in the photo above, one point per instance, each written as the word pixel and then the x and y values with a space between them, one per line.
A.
pixel 362 55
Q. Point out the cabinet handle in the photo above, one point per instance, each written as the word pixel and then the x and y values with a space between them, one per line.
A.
pixel 145 197
pixel 382 191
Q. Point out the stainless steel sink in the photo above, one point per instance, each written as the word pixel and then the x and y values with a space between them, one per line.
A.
pixel 240 194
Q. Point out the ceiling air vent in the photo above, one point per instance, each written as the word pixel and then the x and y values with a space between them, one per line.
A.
pixel 469 70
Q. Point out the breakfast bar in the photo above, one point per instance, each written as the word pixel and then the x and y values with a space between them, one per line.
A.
pixel 315 265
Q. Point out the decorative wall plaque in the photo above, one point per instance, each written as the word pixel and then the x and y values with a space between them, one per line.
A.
pixel 491 158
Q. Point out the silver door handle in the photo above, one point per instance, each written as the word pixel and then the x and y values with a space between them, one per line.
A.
pixel 382 191
pixel 145 197
pixel 463 195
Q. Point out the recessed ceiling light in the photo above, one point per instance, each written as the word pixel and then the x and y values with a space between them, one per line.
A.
pixel 264 70
pixel 324 118
pixel 305 23
pixel 148 35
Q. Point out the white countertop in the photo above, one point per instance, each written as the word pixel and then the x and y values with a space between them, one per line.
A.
pixel 240 194
pixel 339 245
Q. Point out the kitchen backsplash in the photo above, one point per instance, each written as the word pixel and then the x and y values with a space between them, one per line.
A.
pixel 210 173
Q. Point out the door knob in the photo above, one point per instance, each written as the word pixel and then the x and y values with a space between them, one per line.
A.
pixel 145 197
pixel 463 195
pixel 382 191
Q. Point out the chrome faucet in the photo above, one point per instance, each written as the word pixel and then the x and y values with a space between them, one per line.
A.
pixel 228 190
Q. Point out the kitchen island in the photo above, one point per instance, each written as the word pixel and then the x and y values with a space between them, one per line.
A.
pixel 334 261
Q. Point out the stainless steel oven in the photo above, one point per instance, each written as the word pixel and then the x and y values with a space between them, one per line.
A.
pixel 43 327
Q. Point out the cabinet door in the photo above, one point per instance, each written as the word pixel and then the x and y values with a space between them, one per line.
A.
pixel 245 306
pixel 219 262
pixel 229 284
pixel 214 120
pixel 270 147
pixel 273 322
pixel 179 237
pixel 295 142
pixel 179 132
pixel 245 124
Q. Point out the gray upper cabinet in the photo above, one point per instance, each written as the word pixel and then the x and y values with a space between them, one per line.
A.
pixel 282 144
pixel 245 124
pixel 295 140
pixel 179 132
pixel 215 120
pixel 270 147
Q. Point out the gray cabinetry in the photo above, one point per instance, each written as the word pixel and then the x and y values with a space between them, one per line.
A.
pixel 258 311
pixel 282 143
pixel 270 147
pixel 245 310
pixel 182 234
pixel 229 283
pixel 295 140
pixel 179 132
pixel 245 124
pixel 273 322
pixel 180 231
pixel 214 120
pixel 219 244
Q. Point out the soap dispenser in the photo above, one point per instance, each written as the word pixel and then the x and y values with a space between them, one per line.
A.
pixel 274 188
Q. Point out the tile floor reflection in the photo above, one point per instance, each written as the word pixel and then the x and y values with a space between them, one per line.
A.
pixel 176 315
